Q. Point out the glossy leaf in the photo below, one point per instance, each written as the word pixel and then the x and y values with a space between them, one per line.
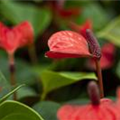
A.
pixel 10 93
pixel 96 13
pixel 16 13
pixel 13 110
pixel 76 3
pixel 80 101
pixel 26 92
pixel 111 32
pixel 43 108
pixel 4 86
pixel 117 71
pixel 52 80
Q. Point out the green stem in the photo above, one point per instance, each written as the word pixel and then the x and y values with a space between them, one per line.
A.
pixel 43 96
pixel 32 54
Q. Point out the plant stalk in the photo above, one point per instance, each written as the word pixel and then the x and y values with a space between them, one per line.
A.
pixel 99 73
pixel 32 54
pixel 12 74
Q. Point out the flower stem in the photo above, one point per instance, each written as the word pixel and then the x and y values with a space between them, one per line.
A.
pixel 95 50
pixel 99 73
pixel 12 73
pixel 32 54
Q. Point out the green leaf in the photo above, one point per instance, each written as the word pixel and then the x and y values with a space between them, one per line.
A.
pixel 52 80
pixel 78 101
pixel 76 3
pixel 38 69
pixel 13 110
pixel 47 109
pixel 17 12
pixel 111 32
pixel 10 93
pixel 24 72
pixel 4 85
pixel 26 92
pixel 118 69
pixel 96 14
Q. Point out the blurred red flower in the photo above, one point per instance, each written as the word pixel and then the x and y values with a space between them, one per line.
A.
pixel 82 28
pixel 58 8
pixel 67 13
pixel 118 99
pixel 67 44
pixel 104 111
pixel 107 59
pixel 98 109
pixel 85 26
pixel 13 38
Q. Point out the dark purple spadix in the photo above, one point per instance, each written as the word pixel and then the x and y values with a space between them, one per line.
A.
pixel 94 46
pixel 93 92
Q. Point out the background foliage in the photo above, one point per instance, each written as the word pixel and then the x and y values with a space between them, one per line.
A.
pixel 49 83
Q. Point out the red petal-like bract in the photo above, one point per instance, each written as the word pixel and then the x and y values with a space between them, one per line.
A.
pixel 107 59
pixel 67 44
pixel 85 26
pixel 81 28
pixel 104 111
pixel 13 38
pixel 58 8
pixel 67 13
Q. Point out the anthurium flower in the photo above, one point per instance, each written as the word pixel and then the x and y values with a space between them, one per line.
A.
pixel 67 44
pixel 107 59
pixel 67 13
pixel 82 28
pixel 118 98
pixel 103 109
pixel 16 37
pixel 58 8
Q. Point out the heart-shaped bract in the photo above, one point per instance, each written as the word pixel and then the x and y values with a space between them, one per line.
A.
pixel 86 31
pixel 18 36
pixel 104 111
pixel 67 44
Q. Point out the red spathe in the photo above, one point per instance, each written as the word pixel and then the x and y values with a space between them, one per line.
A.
pixel 104 111
pixel 67 44
pixel 18 36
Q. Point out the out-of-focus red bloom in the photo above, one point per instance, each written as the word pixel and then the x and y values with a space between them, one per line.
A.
pixel 67 13
pixel 67 44
pixel 107 59
pixel 58 8
pixel 82 28
pixel 16 37
pixel 118 98
pixel 104 111
pixel 98 109
pixel 85 26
